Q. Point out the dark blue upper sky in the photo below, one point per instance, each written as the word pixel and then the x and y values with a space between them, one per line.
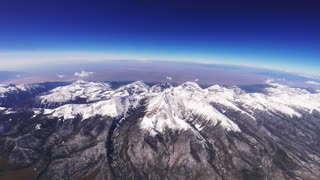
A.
pixel 284 34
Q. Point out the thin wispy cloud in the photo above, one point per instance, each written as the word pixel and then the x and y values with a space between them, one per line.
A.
pixel 313 83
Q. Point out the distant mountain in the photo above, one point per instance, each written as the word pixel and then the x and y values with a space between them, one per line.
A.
pixel 79 91
pixel 91 130
pixel 19 95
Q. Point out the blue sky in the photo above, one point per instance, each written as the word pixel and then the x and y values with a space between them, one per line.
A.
pixel 272 34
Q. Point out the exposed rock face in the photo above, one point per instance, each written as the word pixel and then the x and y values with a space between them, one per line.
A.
pixel 164 132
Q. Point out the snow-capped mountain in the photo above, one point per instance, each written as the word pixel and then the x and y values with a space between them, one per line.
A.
pixel 111 103
pixel 15 95
pixel 185 131
pixel 173 107
pixel 6 90
pixel 79 90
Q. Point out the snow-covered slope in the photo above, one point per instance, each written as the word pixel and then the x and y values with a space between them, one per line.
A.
pixel 181 107
pixel 112 107
pixel 89 91
pixel 176 105
pixel 113 103
pixel 278 99
pixel 6 90
pixel 170 107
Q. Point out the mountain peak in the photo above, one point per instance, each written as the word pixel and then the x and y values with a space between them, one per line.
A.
pixel 137 87
pixel 80 81
pixel 160 87
pixel 190 85
pixel 175 106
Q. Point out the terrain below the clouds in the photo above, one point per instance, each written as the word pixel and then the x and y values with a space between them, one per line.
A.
pixel 136 130
pixel 156 71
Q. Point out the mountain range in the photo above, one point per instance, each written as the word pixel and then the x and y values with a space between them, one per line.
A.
pixel 137 130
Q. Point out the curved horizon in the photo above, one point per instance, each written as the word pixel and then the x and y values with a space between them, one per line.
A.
pixel 21 60
pixel 276 35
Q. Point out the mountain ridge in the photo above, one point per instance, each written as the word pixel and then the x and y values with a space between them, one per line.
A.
pixel 180 132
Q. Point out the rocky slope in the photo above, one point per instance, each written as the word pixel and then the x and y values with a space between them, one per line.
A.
pixel 89 130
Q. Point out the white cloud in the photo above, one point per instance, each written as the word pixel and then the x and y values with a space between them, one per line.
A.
pixel 269 81
pixel 83 74
pixel 196 80
pixel 313 83
pixel 18 76
pixel 169 78
pixel 60 75
pixel 311 76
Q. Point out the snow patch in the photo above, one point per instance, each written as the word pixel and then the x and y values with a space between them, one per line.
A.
pixel 9 111
pixel 38 126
